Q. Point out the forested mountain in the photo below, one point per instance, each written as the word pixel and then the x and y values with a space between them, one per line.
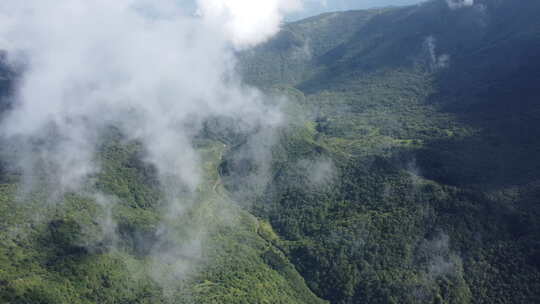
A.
pixel 430 115
pixel 407 171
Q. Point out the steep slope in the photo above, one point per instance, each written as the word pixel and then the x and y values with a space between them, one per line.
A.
pixel 429 117
pixel 407 172
pixel 120 246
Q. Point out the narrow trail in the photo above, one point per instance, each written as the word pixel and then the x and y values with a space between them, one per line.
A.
pixel 216 184
pixel 218 180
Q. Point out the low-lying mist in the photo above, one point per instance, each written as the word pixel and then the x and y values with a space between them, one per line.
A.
pixel 153 70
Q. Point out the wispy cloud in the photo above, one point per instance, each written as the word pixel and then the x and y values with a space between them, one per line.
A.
pixel 455 4
pixel 152 69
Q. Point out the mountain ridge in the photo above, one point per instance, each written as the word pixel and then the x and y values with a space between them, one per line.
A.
pixel 406 171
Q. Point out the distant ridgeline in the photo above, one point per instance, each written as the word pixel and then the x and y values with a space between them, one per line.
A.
pixel 430 117
pixel 407 171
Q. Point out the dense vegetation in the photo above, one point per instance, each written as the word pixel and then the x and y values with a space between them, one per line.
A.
pixel 407 172
pixel 429 117
pixel 79 249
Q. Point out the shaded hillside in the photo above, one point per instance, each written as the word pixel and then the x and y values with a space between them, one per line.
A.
pixel 407 172
pixel 430 117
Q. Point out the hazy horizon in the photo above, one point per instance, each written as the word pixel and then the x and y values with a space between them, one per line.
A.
pixel 315 7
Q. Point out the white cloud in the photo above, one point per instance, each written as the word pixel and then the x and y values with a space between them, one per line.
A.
pixel 247 22
pixel 142 65
pixel 149 68
pixel 455 4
